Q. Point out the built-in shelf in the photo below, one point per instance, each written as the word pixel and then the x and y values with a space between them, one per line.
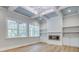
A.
pixel 71 27
pixel 72 14
pixel 71 32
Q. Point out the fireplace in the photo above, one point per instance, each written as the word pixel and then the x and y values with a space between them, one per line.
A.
pixel 54 37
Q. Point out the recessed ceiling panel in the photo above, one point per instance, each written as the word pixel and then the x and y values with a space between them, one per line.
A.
pixel 70 10
pixel 22 11
pixel 41 9
pixel 50 15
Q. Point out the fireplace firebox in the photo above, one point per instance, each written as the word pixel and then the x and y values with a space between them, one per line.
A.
pixel 54 37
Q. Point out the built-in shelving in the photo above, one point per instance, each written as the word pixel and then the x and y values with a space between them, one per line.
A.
pixel 71 30
pixel 72 14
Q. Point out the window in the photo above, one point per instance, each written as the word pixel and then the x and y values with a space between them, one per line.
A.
pixel 22 30
pixel 37 33
pixel 16 30
pixel 34 30
pixel 31 30
pixel 12 28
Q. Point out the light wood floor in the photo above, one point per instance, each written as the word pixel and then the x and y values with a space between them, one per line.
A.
pixel 43 47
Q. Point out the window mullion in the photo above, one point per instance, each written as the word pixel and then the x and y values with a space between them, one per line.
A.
pixel 27 28
pixel 18 29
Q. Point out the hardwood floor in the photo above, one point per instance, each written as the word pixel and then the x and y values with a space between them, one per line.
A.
pixel 43 47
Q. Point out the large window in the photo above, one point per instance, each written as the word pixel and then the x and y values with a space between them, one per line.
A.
pixel 37 31
pixel 22 30
pixel 16 30
pixel 34 30
pixel 12 29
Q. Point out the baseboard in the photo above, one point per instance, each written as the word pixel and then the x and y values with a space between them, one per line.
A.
pixel 4 49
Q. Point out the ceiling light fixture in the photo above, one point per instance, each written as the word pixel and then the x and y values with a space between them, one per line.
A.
pixel 69 10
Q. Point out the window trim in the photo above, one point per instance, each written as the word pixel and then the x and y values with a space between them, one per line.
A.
pixel 27 27
pixel 34 35
pixel 17 29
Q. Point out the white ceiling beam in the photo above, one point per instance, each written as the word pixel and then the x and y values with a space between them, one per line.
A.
pixel 49 11
pixel 62 7
pixel 35 16
pixel 46 12
pixel 12 8
pixel 45 18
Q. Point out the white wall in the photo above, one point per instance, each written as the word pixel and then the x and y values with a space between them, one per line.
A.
pixel 43 31
pixel 6 43
pixel 54 25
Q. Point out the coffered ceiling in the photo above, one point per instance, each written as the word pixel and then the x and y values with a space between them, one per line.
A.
pixel 43 12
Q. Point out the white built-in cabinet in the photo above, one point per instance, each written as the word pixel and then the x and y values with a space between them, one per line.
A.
pixel 71 30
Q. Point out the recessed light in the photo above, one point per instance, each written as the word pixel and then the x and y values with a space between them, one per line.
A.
pixel 69 10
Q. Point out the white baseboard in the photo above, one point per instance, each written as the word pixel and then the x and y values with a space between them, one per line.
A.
pixel 3 49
